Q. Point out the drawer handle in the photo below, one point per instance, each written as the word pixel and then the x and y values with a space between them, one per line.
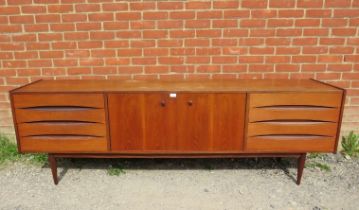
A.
pixel 163 103
pixel 190 103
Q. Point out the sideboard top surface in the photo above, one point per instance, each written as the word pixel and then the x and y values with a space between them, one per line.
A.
pixel 246 85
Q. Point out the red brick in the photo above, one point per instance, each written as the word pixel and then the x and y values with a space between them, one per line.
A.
pixel 235 13
pixel 305 41
pixel 340 13
pixel 307 23
pixel 262 32
pixel 252 23
pixel 328 76
pixel 318 13
pixel 351 58
pixel 289 32
pixel 101 35
pixel 225 4
pixel 261 50
pixel 287 50
pixel 128 34
pixel 235 32
pixel 129 52
pixel 291 13
pixel 155 34
pixel 105 70
pixel 332 41
pixel 51 54
pixel 171 60
pixel 89 44
pixel 23 19
pixel 224 42
pixel 78 71
pixel 14 64
pixel 123 16
pixel 197 59
pixel 156 52
pixel 197 23
pixel 182 51
pixel 142 24
pixel 48 18
pixel 198 5
pixel 208 33
pixel 234 68
pixel 91 26
pixel 315 32
pixel 315 50
pixel 143 61
pixel 286 68
pixel 330 58
pixel 65 62
pixel 280 22
pixel 62 27
pixel 40 63
pixel 261 68
pixel 163 24
pixel 254 3
pixel 344 31
pixel 28 72
pixel 224 23
pixel 310 4
pixel 116 44
pixel 142 5
pixel 32 9
pixel 101 17
pixel 155 15
pixel 26 55
pixel 183 15
pixel 103 53
pixel 277 59
pixel 74 17
pixel 24 38
pixel 9 10
pixel 208 51
pixel 313 67
pixel 117 61
pixel 263 13
pixel 197 42
pixel 170 5
pixel 87 7
pixel 118 6
pixel 35 28
pixel 251 59
pixel 156 69
pixel 304 59
pixel 337 3
pixel 91 62
pixel 63 8
pixel 209 69
pixel 340 67
pixel 341 50
pixel 185 33
pixel 141 43
pixel 250 41
pixel 282 3
pixel 10 28
pixel 334 22
pixel 37 46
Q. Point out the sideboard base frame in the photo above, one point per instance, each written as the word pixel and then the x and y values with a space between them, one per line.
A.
pixel 301 157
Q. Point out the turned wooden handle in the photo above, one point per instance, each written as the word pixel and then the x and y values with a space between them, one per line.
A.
pixel 163 103
pixel 190 103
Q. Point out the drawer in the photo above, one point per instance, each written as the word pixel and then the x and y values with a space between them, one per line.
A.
pixel 332 100
pixel 60 114
pixel 291 143
pixel 292 122
pixel 61 123
pixel 294 127
pixel 67 100
pixel 57 128
pixel 63 143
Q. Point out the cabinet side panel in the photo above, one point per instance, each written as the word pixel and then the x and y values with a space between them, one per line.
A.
pixel 126 115
pixel 228 122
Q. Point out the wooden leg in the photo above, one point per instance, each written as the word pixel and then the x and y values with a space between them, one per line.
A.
pixel 301 163
pixel 53 165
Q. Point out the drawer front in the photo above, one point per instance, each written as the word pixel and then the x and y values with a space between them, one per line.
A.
pixel 293 122
pixel 61 122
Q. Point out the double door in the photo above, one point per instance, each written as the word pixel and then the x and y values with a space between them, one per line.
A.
pixel 176 122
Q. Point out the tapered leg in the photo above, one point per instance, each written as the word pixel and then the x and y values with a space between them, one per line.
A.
pixel 53 165
pixel 301 163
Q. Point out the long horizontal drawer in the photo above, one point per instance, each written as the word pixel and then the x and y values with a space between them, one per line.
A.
pixel 63 143
pixel 279 128
pixel 69 100
pixel 294 113
pixel 59 114
pixel 66 128
pixel 305 143
pixel 290 99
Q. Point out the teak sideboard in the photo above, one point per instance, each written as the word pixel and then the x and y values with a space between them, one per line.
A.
pixel 226 118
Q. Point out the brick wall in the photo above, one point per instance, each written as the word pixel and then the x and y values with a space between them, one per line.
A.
pixel 149 39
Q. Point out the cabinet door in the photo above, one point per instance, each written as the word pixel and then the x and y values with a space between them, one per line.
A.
pixel 126 121
pixel 228 121
pixel 193 122
pixel 160 122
